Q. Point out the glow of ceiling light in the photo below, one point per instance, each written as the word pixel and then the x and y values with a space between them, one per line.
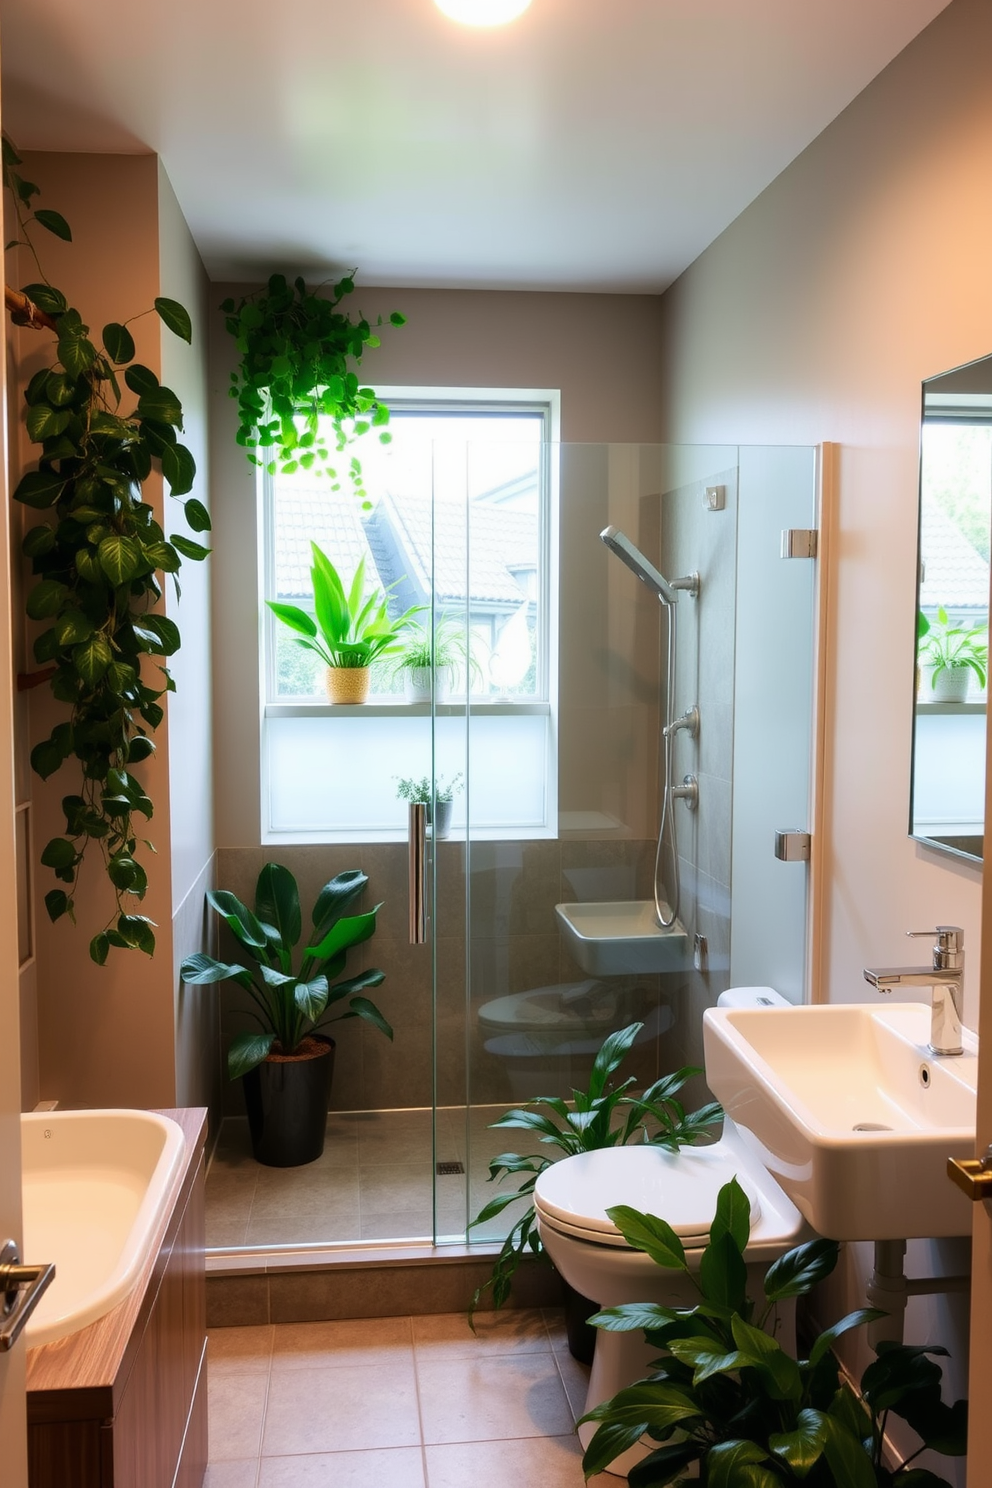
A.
pixel 482 12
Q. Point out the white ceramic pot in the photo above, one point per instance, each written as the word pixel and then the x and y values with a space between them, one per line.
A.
pixel 950 685
pixel 417 684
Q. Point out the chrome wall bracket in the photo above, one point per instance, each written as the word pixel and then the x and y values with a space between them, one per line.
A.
pixel 21 1289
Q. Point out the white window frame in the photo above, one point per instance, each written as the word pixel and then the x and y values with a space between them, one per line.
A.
pixel 542 824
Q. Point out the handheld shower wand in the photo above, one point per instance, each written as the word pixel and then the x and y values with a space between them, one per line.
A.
pixel 667 592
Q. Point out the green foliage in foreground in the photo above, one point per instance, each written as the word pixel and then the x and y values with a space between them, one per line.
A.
pixel 727 1397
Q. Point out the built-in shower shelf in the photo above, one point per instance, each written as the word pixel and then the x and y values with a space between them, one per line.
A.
pixel 622 938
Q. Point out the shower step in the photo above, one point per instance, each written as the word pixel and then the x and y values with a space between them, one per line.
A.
pixel 267 1287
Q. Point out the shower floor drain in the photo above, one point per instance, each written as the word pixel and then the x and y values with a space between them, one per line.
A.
pixel 871 1126
pixel 448 1169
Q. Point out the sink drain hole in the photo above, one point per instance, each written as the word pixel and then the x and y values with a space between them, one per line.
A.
pixel 871 1126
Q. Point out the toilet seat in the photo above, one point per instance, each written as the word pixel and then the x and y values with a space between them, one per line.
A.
pixel 681 1187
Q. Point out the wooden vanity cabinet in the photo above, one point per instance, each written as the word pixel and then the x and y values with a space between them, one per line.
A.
pixel 123 1403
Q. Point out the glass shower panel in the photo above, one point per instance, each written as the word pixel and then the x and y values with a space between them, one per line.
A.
pixel 535 1006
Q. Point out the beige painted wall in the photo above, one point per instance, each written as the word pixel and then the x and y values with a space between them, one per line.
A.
pixel 107 1035
pixel 863 269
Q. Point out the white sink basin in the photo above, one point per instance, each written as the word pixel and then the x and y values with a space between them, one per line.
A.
pixel 621 938
pixel 850 1111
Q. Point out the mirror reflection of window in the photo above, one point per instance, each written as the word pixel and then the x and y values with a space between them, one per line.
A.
pixel 953 609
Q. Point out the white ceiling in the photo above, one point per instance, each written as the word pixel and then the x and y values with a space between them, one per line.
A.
pixel 591 145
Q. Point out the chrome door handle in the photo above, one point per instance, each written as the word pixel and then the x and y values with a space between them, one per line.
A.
pixel 21 1288
pixel 973 1175
pixel 417 850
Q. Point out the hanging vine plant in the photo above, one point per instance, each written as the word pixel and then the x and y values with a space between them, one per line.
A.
pixel 97 558
pixel 297 349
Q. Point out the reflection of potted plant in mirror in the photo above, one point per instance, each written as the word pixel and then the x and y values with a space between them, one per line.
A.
pixel 726 1403
pixel 286 1068
pixel 429 662
pixel 349 632
pixel 439 800
pixel 952 653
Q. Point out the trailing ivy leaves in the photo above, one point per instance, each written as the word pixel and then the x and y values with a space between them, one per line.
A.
pixel 298 351
pixel 747 1411
pixel 97 560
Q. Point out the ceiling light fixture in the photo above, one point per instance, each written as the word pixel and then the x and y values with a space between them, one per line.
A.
pixel 482 12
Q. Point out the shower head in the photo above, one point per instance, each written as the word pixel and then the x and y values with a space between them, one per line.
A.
pixel 638 564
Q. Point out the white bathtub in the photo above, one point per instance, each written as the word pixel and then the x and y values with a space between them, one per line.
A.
pixel 95 1188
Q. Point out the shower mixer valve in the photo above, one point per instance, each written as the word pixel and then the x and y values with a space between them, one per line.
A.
pixel 688 792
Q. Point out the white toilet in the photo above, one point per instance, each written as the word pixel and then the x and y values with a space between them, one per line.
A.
pixel 571 1199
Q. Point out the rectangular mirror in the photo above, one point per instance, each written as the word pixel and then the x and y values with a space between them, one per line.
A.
pixel 947 806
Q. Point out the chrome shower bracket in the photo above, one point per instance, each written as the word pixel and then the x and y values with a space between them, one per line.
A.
pixel 689 721
pixel 688 792
pixel 690 583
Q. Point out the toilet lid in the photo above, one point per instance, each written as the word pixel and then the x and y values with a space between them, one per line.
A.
pixel 680 1187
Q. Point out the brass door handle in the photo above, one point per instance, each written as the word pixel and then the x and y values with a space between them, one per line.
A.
pixel 20 1292
pixel 973 1175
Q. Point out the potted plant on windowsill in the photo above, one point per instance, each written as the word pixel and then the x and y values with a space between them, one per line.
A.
pixel 349 631
pixel 952 654
pixel 439 799
pixel 430 659
pixel 286 1068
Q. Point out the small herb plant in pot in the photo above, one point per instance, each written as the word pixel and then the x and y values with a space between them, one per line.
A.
pixel 725 1399
pixel 605 1114
pixel 430 659
pixel 286 1067
pixel 438 797
pixel 953 654
pixel 349 632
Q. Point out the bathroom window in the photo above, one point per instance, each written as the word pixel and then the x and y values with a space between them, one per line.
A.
pixel 460 521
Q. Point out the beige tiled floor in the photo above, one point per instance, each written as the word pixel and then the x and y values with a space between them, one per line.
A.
pixel 415 1402
pixel 373 1182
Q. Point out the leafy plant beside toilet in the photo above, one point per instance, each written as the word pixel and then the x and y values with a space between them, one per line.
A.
pixel 725 1395
pixel 603 1115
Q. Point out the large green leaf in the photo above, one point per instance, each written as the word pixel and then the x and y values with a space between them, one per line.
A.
pixel 802 1447
pixel 733 1215
pixel 707 1356
pixel 92 658
pixel 277 903
pixel 846 1456
pixel 780 1371
pixel 725 1460
pixel 350 930
pixel 799 1270
pixel 664 1464
pixel 45 599
pixel 54 222
pixel 829 1337
pixel 200 970
pixel 330 600
pixel 632 1316
pixel 247 1051
pixel 179 468
pixel 161 405
pixel 311 997
pixel 175 316
pixel 723 1273
pixel 652 1235
pixel 119 343
pixel 610 1057
pixel 40 488
pixel 197 515
pixel 361 1007
pixel 120 558
pixel 294 617
pixel 238 918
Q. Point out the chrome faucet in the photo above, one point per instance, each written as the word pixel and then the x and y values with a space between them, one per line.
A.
pixel 945 976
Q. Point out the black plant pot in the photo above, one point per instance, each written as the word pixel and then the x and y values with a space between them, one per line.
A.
pixel 287 1100
pixel 581 1335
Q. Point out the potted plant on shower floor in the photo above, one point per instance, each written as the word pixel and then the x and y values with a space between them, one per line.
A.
pixel 286 1067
